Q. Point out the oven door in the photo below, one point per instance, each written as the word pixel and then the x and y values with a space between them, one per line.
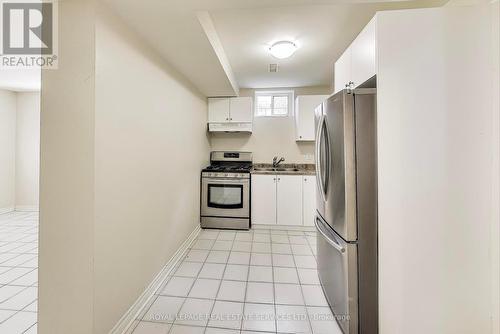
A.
pixel 225 197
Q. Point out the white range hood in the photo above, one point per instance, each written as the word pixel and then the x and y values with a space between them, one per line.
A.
pixel 230 127
pixel 230 114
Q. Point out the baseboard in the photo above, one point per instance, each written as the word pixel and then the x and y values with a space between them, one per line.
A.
pixel 6 210
pixel 130 316
pixel 26 208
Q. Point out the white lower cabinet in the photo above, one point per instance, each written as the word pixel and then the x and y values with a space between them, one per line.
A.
pixel 283 199
pixel 308 199
pixel 263 199
pixel 289 200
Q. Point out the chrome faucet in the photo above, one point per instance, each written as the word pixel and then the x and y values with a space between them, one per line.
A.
pixel 276 162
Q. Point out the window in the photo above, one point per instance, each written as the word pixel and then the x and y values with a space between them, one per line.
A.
pixel 273 104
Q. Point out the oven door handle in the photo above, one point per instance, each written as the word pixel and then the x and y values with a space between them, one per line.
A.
pixel 225 181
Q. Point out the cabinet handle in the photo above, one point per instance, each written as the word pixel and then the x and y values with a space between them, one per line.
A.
pixel 279 179
pixel 350 85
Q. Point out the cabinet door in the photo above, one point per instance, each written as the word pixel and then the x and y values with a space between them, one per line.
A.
pixel 218 110
pixel 304 115
pixel 264 199
pixel 289 200
pixel 241 109
pixel 343 70
pixel 309 199
pixel 363 55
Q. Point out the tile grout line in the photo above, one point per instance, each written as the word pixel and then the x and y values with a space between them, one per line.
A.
pixel 22 232
pixel 303 299
pixel 31 327
pixel 274 291
pixel 163 285
pixel 190 289
pixel 230 251
pixel 246 289
pixel 220 281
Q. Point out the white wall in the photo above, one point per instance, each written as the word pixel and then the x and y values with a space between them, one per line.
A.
pixel 435 170
pixel 66 277
pixel 19 150
pixel 495 226
pixel 7 150
pixel 271 136
pixel 27 150
pixel 151 143
pixel 123 143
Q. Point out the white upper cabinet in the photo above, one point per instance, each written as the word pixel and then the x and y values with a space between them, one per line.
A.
pixel 240 110
pixel 218 110
pixel 309 199
pixel 358 63
pixel 289 200
pixel 343 70
pixel 264 199
pixel 230 109
pixel 230 114
pixel 363 53
pixel 304 115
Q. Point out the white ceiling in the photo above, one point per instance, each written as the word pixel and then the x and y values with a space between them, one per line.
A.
pixel 322 29
pixel 322 33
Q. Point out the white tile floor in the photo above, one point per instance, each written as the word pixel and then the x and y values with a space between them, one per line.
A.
pixel 18 272
pixel 262 281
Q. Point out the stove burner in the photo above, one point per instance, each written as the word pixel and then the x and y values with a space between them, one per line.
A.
pixel 241 168
pixel 229 162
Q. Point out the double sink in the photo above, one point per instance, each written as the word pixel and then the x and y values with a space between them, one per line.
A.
pixel 273 169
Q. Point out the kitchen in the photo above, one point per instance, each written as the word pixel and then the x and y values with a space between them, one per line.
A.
pixel 270 167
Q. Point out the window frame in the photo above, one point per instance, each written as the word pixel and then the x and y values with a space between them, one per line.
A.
pixel 288 93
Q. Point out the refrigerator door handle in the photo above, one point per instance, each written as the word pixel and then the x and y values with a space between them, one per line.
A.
pixel 319 168
pixel 333 243
pixel 328 159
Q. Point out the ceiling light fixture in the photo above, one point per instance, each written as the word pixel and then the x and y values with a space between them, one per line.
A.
pixel 283 49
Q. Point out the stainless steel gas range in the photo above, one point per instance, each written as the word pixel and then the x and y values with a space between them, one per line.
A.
pixel 225 191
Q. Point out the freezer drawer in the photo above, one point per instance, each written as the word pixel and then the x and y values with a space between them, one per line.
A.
pixel 338 273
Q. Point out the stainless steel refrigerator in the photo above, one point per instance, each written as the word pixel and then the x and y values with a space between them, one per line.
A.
pixel 346 220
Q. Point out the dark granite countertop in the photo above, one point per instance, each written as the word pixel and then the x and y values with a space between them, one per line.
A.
pixel 284 169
